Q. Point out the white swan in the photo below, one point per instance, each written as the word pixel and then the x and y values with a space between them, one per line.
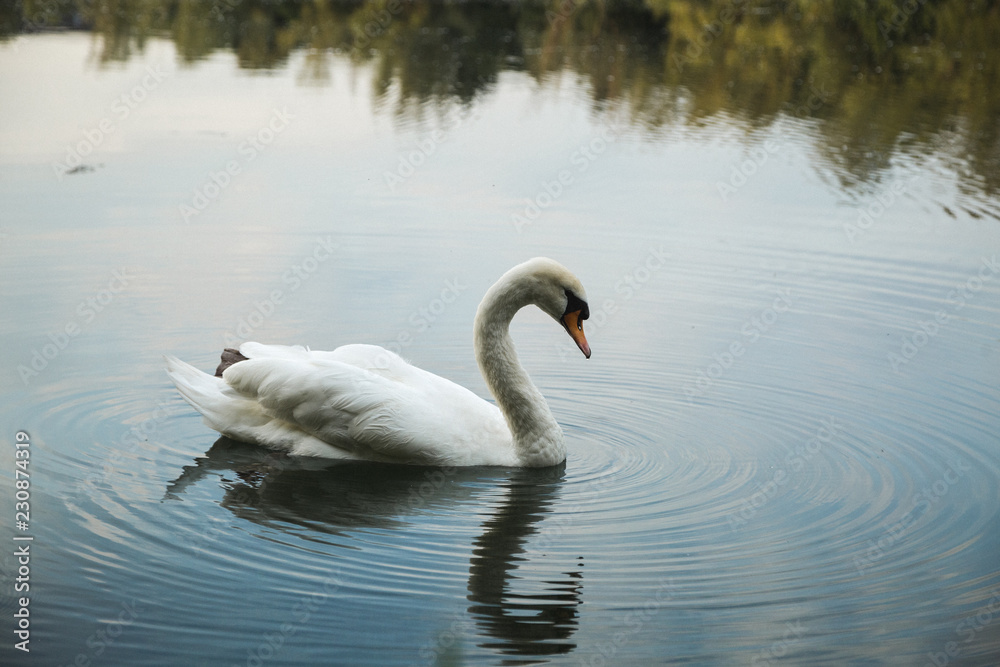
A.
pixel 364 402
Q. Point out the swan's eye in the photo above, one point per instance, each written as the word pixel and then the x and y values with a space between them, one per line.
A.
pixel 574 304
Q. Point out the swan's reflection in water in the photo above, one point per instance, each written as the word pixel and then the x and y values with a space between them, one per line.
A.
pixel 524 624
pixel 332 498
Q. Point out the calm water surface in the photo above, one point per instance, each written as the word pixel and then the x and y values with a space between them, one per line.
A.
pixel 784 448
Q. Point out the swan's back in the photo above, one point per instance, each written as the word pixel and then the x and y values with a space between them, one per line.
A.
pixel 358 401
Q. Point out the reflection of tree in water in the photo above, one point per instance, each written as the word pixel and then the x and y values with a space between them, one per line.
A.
pixel 329 498
pixel 917 83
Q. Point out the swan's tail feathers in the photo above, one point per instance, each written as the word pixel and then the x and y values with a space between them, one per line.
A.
pixel 238 416
pixel 207 394
pixel 195 386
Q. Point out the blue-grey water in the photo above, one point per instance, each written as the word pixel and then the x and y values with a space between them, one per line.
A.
pixel 784 450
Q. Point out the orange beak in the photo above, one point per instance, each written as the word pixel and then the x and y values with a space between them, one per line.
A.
pixel 574 325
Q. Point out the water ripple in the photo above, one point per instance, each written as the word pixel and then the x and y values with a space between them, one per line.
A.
pixel 776 494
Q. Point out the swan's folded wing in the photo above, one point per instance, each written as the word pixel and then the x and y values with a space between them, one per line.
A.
pixel 342 404
pixel 373 358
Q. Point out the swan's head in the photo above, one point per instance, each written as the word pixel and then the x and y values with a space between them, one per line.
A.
pixel 550 286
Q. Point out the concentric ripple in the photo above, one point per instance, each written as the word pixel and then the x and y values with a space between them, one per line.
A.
pixel 775 500
pixel 772 500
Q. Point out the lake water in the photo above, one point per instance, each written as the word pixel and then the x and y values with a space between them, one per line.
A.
pixel 784 449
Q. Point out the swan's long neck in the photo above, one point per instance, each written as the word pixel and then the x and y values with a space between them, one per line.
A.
pixel 538 440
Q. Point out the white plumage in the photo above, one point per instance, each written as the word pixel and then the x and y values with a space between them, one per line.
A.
pixel 365 402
